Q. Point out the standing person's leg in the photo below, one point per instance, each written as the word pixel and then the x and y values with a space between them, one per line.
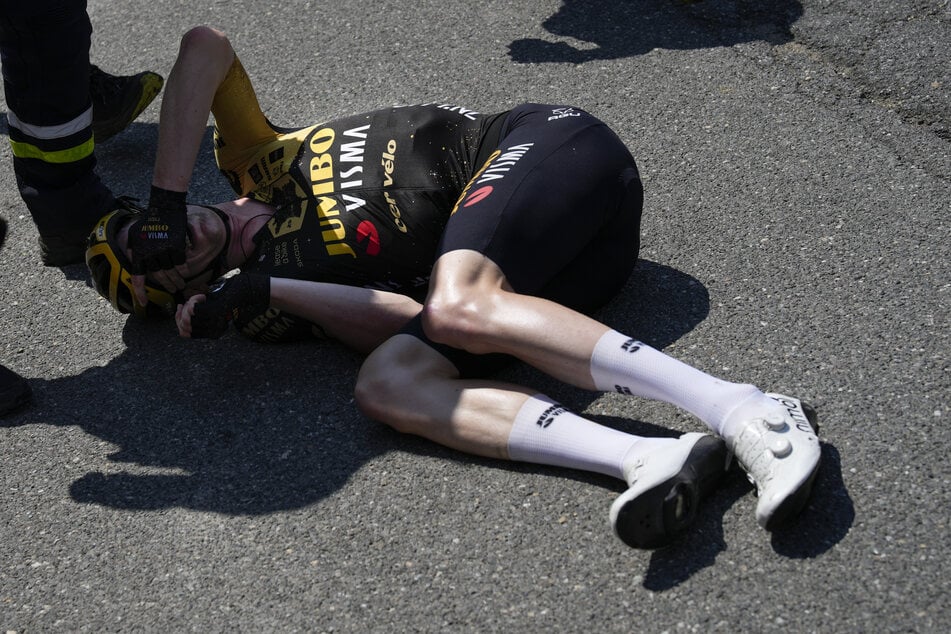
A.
pixel 45 48
pixel 56 100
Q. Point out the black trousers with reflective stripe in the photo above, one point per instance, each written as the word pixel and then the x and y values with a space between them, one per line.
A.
pixel 45 57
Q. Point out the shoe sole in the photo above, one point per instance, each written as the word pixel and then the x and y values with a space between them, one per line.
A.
pixel 654 517
pixel 151 85
pixel 793 504
pixel 796 501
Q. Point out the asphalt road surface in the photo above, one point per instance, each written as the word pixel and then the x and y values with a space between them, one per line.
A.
pixel 796 235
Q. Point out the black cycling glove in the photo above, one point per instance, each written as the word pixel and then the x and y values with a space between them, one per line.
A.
pixel 223 301
pixel 157 241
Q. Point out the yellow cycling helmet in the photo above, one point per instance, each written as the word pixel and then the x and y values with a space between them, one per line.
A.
pixel 111 270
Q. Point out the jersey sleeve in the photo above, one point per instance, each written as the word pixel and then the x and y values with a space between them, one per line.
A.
pixel 270 325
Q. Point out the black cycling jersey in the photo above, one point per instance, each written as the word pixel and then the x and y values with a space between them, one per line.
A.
pixel 361 200
pixel 548 193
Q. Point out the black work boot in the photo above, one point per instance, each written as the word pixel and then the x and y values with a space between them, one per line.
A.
pixel 118 100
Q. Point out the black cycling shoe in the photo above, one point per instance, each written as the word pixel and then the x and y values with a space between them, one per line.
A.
pixel 118 100
pixel 666 489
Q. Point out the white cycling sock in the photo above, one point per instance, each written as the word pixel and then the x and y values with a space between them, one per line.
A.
pixel 625 365
pixel 544 432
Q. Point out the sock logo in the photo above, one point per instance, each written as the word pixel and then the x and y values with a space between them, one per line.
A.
pixel 622 390
pixel 631 346
pixel 549 415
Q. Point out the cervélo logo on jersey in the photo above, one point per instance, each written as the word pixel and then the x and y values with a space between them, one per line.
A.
pixel 499 164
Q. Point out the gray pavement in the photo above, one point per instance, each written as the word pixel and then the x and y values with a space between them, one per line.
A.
pixel 796 165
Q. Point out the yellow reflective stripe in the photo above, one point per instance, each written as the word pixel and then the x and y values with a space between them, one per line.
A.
pixel 69 155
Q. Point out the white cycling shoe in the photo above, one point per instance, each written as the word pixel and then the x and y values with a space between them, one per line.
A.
pixel 666 488
pixel 776 444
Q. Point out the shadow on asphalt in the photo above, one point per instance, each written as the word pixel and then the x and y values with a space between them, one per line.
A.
pixel 612 29
pixel 699 547
pixel 241 428
pixel 822 524
pixel 827 518
pixel 226 426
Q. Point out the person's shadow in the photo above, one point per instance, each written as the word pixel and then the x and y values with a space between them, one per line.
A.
pixel 612 29
pixel 224 426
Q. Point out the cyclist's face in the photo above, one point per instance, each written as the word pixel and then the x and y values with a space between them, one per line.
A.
pixel 206 238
